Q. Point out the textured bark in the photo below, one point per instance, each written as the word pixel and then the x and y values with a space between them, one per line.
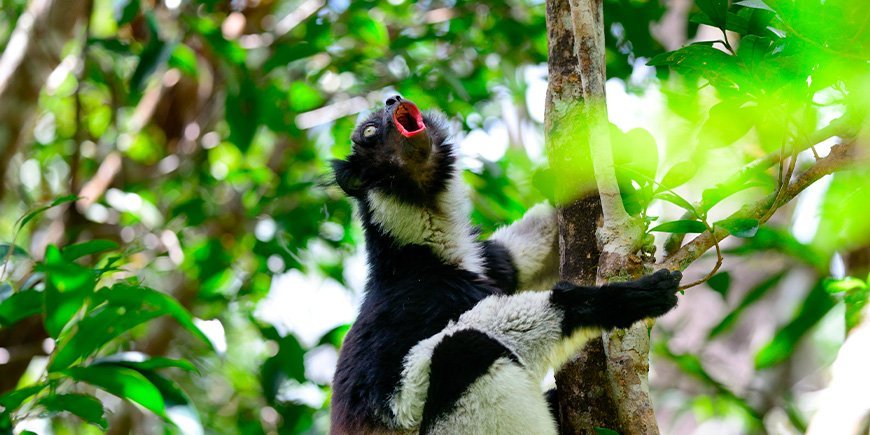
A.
pixel 606 385
pixel 32 54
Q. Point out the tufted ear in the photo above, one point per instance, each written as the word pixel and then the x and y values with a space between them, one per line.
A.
pixel 347 177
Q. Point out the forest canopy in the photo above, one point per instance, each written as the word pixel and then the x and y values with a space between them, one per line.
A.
pixel 175 256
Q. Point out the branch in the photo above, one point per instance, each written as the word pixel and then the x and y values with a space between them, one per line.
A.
pixel 841 156
pixel 587 21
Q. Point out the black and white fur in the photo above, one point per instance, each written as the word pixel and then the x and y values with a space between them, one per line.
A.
pixel 445 341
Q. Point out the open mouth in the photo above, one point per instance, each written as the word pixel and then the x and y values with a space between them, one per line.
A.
pixel 407 119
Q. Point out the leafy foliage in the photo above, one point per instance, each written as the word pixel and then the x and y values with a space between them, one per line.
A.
pixel 178 158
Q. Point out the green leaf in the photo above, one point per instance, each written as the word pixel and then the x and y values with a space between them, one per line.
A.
pixel 720 283
pixel 733 22
pixel 242 113
pixel 726 123
pixel 605 431
pixel 30 216
pixel 751 297
pixel 172 394
pixel 78 250
pixel 739 227
pixel 682 226
pixel 754 4
pixel 125 11
pixel 17 251
pixel 141 361
pixel 122 382
pixel 712 196
pixel 86 407
pixel 287 53
pixel 153 56
pixel 845 285
pixel 677 200
pixel 96 329
pixel 785 342
pixel 715 9
pixel 855 294
pixel 67 287
pixel 678 175
pixel 19 306
pixel 136 297
pixel 184 59
pixel 13 399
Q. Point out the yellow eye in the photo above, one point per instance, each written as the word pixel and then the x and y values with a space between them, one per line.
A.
pixel 369 131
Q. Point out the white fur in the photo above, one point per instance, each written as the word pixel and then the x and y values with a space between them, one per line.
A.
pixel 527 324
pixel 532 243
pixel 445 229
pixel 506 400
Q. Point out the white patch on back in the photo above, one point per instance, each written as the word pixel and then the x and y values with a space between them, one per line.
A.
pixel 532 244
pixel 507 400
pixel 526 323
pixel 445 229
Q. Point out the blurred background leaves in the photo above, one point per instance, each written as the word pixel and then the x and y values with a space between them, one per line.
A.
pixel 168 239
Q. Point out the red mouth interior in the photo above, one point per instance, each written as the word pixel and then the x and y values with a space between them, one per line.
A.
pixel 408 119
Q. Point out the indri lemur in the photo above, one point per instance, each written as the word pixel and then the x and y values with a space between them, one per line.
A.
pixel 444 341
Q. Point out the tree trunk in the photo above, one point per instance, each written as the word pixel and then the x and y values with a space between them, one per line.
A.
pixel 606 386
pixel 33 52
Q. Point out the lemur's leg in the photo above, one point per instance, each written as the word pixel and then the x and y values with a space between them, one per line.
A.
pixel 533 245
pixel 519 332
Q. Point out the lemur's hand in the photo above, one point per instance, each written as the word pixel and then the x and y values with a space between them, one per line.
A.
pixel 621 304
pixel 649 296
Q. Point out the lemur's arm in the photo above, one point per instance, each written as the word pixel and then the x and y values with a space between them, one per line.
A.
pixel 533 329
pixel 533 245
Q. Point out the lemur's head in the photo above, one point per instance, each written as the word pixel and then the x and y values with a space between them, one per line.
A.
pixel 398 151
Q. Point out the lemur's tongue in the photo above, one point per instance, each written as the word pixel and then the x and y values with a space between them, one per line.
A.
pixel 408 120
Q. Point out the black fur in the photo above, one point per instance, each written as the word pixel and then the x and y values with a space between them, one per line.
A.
pixel 458 361
pixel 499 266
pixel 399 310
pixel 411 294
pixel 616 305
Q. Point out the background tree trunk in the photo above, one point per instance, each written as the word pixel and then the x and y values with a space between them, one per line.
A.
pixel 606 386
pixel 33 52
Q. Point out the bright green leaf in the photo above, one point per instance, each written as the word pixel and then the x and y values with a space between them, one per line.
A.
pixel 739 227
pixel 87 408
pixel 13 399
pixel 678 175
pixel 720 283
pixel 125 11
pixel 123 382
pixel 78 250
pixel 715 9
pixel 681 227
pixel 96 330
pixel 19 306
pixel 67 287
pixel 141 361
pixel 136 297
pixel 785 342
pixel 677 200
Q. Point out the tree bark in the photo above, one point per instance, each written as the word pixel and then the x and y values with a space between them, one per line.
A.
pixel 607 385
pixel 33 52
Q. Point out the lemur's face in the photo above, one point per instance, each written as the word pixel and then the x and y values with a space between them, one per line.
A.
pixel 400 151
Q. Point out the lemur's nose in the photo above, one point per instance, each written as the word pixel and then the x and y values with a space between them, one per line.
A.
pixel 393 100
